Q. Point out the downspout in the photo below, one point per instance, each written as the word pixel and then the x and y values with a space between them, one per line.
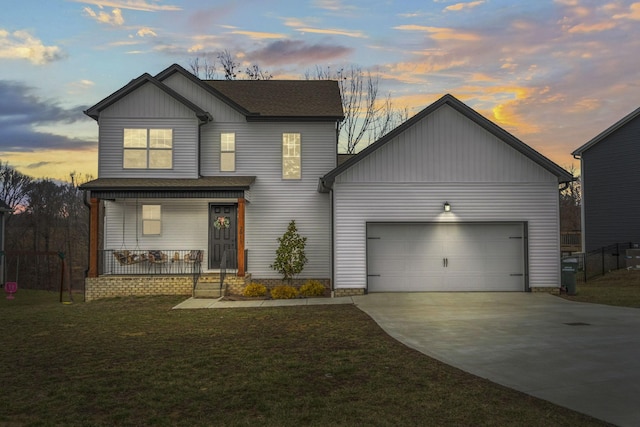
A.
pixel 333 272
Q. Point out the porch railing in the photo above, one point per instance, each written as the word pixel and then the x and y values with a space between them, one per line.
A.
pixel 150 261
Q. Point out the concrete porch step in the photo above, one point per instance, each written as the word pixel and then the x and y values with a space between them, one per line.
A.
pixel 211 294
pixel 207 288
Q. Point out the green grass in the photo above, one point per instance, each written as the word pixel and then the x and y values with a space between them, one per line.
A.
pixel 134 361
pixel 621 288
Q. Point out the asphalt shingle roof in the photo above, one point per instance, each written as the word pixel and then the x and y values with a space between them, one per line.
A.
pixel 283 98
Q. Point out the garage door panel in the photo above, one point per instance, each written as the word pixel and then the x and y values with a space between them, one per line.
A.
pixel 445 257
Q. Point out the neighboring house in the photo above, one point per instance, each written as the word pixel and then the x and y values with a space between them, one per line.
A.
pixel 609 165
pixel 177 153
pixel 448 201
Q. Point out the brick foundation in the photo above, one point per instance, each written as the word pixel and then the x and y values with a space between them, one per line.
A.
pixel 348 292
pixel 121 286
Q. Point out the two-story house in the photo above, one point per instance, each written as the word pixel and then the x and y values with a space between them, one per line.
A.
pixel 193 170
pixel 189 165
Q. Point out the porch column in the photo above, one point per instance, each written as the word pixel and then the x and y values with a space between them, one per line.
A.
pixel 94 226
pixel 240 257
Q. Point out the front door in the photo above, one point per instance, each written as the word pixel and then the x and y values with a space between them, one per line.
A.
pixel 222 235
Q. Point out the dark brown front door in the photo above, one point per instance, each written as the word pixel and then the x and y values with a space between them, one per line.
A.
pixel 222 235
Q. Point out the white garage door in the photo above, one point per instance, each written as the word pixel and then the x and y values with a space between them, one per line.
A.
pixel 445 257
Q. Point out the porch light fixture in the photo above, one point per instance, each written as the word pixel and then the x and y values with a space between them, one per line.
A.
pixel 447 207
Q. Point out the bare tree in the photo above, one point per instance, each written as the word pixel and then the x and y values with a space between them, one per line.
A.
pixel 228 64
pixel 365 118
pixel 571 204
pixel 205 68
pixel 256 73
pixel 13 186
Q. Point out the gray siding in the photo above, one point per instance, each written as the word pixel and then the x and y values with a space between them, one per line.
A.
pixel 185 147
pixel 274 201
pixel 148 101
pixel 357 203
pixel 446 157
pixel 610 186
pixel 219 110
pixel 446 147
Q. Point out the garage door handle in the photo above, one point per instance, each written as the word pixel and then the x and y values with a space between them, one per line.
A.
pixel 445 262
pixel 373 275
pixel 516 274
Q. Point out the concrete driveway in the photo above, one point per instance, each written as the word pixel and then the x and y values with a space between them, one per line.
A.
pixel 582 356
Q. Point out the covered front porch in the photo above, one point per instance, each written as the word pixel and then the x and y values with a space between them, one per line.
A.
pixel 167 227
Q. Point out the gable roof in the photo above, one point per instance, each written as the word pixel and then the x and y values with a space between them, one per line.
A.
pixel 271 99
pixel 326 182
pixel 604 134
pixel 255 99
pixel 284 98
pixel 94 112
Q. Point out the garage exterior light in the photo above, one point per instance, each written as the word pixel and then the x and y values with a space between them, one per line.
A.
pixel 447 207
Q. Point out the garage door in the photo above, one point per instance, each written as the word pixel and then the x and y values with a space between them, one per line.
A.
pixel 445 257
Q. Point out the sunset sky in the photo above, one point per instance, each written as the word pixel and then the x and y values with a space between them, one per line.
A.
pixel 555 73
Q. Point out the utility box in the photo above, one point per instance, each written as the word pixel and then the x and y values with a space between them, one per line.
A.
pixel 569 268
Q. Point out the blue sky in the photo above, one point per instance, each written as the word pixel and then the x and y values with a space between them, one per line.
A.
pixel 554 73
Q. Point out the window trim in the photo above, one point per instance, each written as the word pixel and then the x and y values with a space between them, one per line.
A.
pixel 223 151
pixel 147 149
pixel 298 157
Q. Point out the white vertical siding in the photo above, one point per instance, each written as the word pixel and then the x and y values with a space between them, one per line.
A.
pixel 446 147
pixel 185 147
pixel 148 101
pixel 359 203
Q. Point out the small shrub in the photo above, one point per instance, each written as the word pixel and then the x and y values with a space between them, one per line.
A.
pixel 255 290
pixel 312 288
pixel 284 292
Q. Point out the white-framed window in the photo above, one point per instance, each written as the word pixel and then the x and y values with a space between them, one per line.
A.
pixel 291 164
pixel 151 220
pixel 227 152
pixel 148 149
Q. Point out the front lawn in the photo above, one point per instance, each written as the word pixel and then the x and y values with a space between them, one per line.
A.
pixel 621 287
pixel 134 361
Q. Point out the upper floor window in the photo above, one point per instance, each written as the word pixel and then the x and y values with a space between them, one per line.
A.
pixel 148 149
pixel 151 220
pixel 291 156
pixel 227 152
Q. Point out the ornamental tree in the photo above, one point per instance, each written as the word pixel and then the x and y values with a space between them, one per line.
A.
pixel 290 257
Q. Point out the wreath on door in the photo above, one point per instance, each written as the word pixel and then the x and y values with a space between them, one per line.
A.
pixel 221 222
